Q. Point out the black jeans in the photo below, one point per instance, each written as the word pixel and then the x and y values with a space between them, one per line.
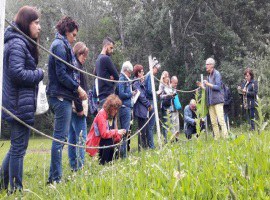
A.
pixel 106 155
pixel 142 139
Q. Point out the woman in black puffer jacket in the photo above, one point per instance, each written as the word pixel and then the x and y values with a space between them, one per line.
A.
pixel 20 81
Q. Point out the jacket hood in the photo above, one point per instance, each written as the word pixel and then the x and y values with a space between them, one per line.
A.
pixel 11 33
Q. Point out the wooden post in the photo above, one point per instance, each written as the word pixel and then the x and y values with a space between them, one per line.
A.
pixel 206 122
pixel 154 100
pixel 2 29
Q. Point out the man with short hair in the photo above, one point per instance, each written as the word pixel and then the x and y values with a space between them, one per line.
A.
pixel 173 110
pixel 215 98
pixel 105 69
pixel 190 119
pixel 149 96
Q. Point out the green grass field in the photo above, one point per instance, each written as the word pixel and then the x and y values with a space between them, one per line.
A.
pixel 198 169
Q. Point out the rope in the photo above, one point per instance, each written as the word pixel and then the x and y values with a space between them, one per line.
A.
pixel 68 64
pixel 66 143
pixel 183 91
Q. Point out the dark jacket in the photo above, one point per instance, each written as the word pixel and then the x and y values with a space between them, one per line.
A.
pixel 140 108
pixel 124 91
pixel 189 120
pixel 20 77
pixel 215 95
pixel 148 86
pixel 252 91
pixel 61 81
pixel 105 68
pixel 83 84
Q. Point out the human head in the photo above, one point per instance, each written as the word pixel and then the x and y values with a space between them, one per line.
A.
pixel 174 81
pixel 156 66
pixel 81 51
pixel 249 75
pixel 192 104
pixel 127 68
pixel 27 20
pixel 69 28
pixel 108 45
pixel 112 105
pixel 210 64
pixel 165 78
pixel 138 71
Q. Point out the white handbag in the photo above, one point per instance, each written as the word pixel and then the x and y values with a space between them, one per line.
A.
pixel 42 102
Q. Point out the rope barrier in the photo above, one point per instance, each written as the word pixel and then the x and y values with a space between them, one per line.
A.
pixel 66 63
pixel 66 143
pixel 182 91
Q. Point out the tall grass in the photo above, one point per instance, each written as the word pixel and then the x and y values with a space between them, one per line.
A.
pixel 197 169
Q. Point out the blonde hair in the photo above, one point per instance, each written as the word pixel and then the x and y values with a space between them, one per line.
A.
pixel 163 75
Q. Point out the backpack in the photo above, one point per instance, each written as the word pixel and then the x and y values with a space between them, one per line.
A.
pixel 92 103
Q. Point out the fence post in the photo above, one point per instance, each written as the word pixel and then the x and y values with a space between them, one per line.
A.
pixel 154 100
pixel 206 122
pixel 2 29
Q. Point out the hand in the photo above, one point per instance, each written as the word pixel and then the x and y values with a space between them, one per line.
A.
pixel 82 93
pixel 199 84
pixel 206 82
pixel 111 78
pixel 244 90
pixel 80 114
pixel 134 92
pixel 122 132
pixel 150 108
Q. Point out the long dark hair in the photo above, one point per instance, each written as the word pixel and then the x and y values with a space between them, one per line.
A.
pixel 23 19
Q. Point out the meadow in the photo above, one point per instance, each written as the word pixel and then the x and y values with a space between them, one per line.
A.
pixel 235 168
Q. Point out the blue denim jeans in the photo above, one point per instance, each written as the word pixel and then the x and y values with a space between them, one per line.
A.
pixel 124 117
pixel 150 128
pixel 12 166
pixel 77 136
pixel 62 110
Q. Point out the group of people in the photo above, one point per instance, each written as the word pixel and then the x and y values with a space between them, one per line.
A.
pixel 67 98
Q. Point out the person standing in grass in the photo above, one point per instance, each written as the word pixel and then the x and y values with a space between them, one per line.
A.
pixel 149 96
pixel 63 88
pixel 142 107
pixel 125 93
pixel 104 131
pixel 20 86
pixel 105 69
pixel 249 91
pixel 78 127
pixel 174 109
pixel 166 95
pixel 215 98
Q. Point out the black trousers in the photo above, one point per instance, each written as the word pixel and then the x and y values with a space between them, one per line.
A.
pixel 142 139
pixel 106 155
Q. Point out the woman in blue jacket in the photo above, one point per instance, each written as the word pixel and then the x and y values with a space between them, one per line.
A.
pixel 141 107
pixel 62 89
pixel 20 80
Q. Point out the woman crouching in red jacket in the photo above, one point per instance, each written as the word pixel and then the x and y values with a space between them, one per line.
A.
pixel 104 130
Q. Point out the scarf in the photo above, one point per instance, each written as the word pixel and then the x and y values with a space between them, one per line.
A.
pixel 75 73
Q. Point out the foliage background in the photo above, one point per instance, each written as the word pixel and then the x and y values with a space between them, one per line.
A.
pixel 180 33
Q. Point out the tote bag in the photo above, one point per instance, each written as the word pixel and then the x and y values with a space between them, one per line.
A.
pixel 42 102
pixel 177 103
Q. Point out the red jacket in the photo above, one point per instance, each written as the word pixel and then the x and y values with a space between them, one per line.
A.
pixel 100 129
